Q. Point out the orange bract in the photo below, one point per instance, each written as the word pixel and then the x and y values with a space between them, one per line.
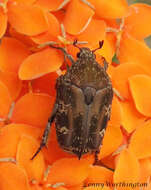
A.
pixel 41 63
pixel 22 17
pixel 40 105
pixel 74 24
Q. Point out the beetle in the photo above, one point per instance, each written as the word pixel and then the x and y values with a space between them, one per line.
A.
pixel 83 104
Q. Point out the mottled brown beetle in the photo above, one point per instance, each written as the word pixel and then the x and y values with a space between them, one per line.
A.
pixel 83 104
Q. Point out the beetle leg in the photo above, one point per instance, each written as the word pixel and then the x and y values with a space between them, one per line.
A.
pixel 105 63
pixel 98 162
pixel 46 131
pixel 66 64
pixel 65 53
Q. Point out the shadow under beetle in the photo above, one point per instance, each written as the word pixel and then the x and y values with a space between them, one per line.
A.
pixel 83 104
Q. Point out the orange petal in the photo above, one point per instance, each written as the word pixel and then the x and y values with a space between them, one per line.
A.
pixel 30 2
pixel 145 166
pixel 135 51
pixel 76 187
pixel 62 171
pixel 108 49
pixel 131 118
pixel 127 170
pixel 12 54
pixel 58 188
pixel 99 174
pixel 140 86
pixel 113 134
pixel 74 25
pixel 38 64
pixel 116 112
pixel 121 74
pixel 107 9
pixel 21 37
pixel 27 19
pixel 111 23
pixel 54 151
pixel 27 147
pixel 40 106
pixel 26 88
pixel 109 161
pixel 94 33
pixel 141 141
pixel 43 38
pixel 49 5
pixel 60 15
pixel 5 100
pixel 52 33
pixel 3 23
pixel 49 80
pixel 138 14
pixel 37 187
pixel 97 187
pixel 52 21
pixel 148 186
pixel 12 82
pixel 12 133
pixel 113 131
pixel 13 177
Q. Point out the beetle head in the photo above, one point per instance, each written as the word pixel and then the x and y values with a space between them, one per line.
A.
pixel 85 53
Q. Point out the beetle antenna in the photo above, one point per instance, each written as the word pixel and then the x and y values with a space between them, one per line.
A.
pixel 100 46
pixel 75 44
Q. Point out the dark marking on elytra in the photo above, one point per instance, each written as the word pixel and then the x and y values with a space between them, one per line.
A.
pixel 83 104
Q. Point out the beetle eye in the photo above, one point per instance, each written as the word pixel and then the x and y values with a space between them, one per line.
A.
pixel 78 55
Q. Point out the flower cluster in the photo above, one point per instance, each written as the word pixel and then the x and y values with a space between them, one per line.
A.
pixel 28 72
